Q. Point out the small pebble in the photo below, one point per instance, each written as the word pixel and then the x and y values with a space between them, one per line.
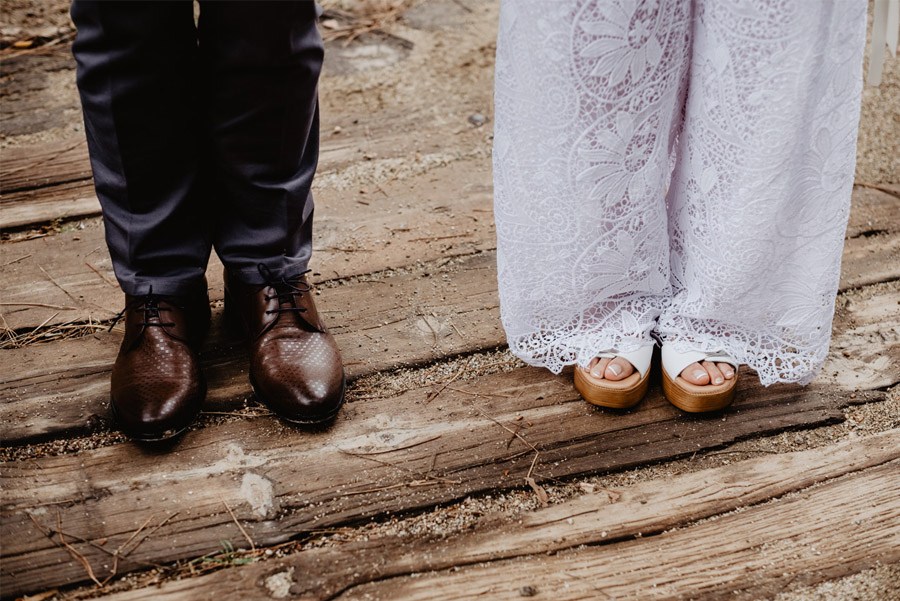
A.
pixel 477 119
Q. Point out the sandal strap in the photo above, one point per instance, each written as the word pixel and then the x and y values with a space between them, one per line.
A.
pixel 639 358
pixel 674 362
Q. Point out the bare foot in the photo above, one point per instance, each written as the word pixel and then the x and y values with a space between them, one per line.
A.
pixel 708 373
pixel 611 369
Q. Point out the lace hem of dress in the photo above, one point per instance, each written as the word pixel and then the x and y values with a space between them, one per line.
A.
pixel 776 357
pixel 774 360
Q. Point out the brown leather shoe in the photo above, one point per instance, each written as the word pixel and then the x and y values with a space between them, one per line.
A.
pixel 157 385
pixel 295 364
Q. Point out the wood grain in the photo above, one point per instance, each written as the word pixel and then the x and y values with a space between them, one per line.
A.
pixel 870 260
pixel 602 518
pixel 43 165
pixel 38 92
pixel 873 211
pixel 63 202
pixel 838 528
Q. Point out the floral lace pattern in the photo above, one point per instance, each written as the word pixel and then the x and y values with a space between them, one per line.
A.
pixel 675 167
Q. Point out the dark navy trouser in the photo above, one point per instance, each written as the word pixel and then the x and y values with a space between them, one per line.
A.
pixel 201 136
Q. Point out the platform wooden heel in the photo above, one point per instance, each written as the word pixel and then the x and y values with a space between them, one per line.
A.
pixel 695 398
pixel 619 394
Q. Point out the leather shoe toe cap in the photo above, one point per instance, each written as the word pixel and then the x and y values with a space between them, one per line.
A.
pixel 158 412
pixel 298 389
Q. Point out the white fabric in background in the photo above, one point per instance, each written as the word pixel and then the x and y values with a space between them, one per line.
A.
pixel 678 167
pixel 885 37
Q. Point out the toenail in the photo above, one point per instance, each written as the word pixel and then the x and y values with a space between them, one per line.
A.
pixel 699 374
pixel 597 372
pixel 616 369
pixel 719 380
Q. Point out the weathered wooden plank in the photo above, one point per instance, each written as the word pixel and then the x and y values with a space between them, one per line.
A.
pixel 839 528
pixel 407 220
pixel 872 250
pixel 890 188
pixel 40 165
pixel 878 212
pixel 38 92
pixel 383 455
pixel 379 323
pixel 866 347
pixel 600 518
pixel 56 178
pixel 62 386
pixel 48 206
pixel 42 199
pixel 870 260
pixel 873 211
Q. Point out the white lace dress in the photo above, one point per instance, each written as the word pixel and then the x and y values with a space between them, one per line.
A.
pixel 679 167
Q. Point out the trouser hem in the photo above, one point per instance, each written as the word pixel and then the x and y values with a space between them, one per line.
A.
pixel 284 268
pixel 164 286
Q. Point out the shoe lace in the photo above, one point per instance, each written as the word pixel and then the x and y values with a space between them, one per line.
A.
pixel 148 304
pixel 287 290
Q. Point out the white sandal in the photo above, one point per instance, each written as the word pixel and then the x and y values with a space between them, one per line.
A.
pixel 618 394
pixel 695 398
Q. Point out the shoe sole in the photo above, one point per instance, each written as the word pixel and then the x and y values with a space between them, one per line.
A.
pixel 607 393
pixel 161 436
pixel 698 399
pixel 325 419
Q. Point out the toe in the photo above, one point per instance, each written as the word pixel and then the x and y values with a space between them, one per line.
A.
pixel 727 370
pixel 695 374
pixel 598 367
pixel 715 374
pixel 618 369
